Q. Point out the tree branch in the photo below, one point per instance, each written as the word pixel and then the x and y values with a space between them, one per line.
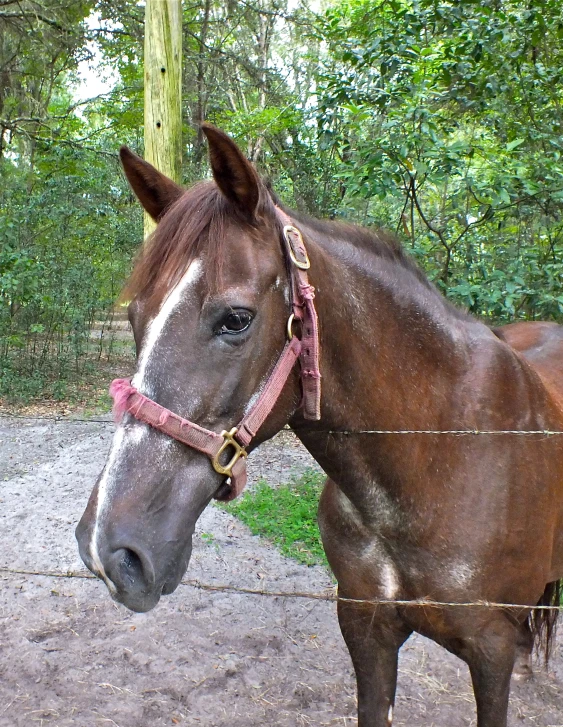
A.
pixel 38 16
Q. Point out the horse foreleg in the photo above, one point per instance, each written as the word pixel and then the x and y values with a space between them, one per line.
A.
pixel 373 637
pixel 524 647
pixel 490 654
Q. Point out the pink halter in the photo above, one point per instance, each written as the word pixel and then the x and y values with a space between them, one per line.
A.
pixel 127 399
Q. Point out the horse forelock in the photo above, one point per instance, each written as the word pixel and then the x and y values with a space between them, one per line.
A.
pixel 196 222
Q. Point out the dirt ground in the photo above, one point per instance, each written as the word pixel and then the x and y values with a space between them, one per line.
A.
pixel 70 656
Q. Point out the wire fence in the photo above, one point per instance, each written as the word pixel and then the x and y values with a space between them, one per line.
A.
pixel 346 432
pixel 331 596
pixel 56 419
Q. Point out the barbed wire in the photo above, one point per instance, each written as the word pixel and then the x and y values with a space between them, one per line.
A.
pixel 334 432
pixel 457 432
pixel 332 597
pixel 56 419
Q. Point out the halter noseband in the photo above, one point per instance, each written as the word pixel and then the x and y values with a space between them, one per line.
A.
pixel 128 399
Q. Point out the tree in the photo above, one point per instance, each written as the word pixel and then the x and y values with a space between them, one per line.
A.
pixel 441 120
pixel 163 89
pixel 447 119
pixel 40 43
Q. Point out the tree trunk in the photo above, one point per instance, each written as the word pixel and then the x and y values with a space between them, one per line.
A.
pixel 201 102
pixel 163 89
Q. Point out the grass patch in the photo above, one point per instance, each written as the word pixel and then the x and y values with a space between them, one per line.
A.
pixel 285 515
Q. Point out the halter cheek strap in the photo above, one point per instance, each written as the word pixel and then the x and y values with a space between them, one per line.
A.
pixel 128 399
pixel 303 295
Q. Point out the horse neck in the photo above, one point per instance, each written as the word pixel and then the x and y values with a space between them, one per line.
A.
pixel 392 349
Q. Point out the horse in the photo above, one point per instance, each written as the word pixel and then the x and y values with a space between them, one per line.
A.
pixel 541 344
pixel 225 301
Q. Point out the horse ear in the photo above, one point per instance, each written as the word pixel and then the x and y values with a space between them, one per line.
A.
pixel 154 190
pixel 233 173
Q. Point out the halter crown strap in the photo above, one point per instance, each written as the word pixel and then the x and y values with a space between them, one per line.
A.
pixel 128 399
pixel 303 295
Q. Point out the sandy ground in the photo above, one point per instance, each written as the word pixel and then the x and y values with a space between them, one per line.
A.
pixel 69 656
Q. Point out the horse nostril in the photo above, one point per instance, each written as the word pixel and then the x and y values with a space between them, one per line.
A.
pixel 131 567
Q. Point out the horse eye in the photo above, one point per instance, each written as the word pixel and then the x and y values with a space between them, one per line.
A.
pixel 236 322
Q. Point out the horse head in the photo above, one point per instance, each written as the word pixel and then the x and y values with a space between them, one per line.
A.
pixel 210 296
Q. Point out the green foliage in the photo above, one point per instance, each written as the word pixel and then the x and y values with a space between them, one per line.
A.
pixel 447 120
pixel 440 120
pixel 66 240
pixel 285 515
pixel 68 226
pixel 41 43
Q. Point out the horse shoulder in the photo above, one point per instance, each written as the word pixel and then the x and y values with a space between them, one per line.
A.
pixel 357 552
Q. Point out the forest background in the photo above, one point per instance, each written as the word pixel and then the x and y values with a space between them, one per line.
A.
pixel 442 121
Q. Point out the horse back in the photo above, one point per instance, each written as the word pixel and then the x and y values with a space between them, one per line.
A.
pixel 540 343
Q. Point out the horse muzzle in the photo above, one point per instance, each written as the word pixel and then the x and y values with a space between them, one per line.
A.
pixel 128 570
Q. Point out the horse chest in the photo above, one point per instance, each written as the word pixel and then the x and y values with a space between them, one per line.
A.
pixel 379 559
pixel 360 556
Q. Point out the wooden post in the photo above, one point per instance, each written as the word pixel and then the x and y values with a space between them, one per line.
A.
pixel 163 89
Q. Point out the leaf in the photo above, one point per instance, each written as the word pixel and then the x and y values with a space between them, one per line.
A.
pixel 513 144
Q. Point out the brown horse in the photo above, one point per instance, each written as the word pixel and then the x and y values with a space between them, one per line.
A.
pixel 541 344
pixel 402 517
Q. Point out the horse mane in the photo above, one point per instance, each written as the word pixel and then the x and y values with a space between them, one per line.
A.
pixel 198 220
pixel 379 242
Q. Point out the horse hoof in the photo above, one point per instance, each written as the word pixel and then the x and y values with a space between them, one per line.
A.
pixel 522 673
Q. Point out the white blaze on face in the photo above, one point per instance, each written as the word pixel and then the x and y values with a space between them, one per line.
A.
pixel 124 438
pixel 158 324
pixel 104 486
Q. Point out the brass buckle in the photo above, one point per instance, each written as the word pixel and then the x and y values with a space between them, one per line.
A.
pixel 290 326
pixel 240 451
pixel 304 264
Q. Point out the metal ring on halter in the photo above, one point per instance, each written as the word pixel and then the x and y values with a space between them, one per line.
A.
pixel 290 326
pixel 240 451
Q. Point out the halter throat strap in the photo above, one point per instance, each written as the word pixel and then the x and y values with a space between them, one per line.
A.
pixel 218 447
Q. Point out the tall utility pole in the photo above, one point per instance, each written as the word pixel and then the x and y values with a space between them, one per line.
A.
pixel 163 89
